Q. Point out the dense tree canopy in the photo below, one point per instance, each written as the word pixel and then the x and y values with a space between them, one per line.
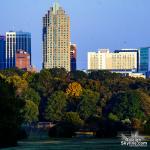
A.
pixel 30 112
pixel 99 100
pixel 126 105
pixel 56 106
pixel 88 105
pixel 10 112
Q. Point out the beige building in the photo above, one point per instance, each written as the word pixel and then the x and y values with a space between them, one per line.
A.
pixel 56 38
pixel 137 75
pixel 106 60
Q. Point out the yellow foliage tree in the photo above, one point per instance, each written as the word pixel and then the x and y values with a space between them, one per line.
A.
pixel 18 83
pixel 74 89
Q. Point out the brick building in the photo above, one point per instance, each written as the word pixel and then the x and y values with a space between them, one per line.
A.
pixel 22 59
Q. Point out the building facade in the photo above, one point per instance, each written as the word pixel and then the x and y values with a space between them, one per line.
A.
pixel 56 38
pixel 113 61
pixel 73 57
pixel 23 42
pixel 132 50
pixel 16 41
pixel 2 52
pixel 144 60
pixel 10 55
pixel 22 60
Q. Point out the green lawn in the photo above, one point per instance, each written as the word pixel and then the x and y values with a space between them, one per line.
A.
pixel 73 144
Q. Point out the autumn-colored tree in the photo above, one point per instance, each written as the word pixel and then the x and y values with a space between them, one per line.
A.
pixel 19 84
pixel 136 124
pixel 145 102
pixel 74 89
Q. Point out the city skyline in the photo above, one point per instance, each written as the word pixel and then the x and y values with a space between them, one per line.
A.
pixel 101 24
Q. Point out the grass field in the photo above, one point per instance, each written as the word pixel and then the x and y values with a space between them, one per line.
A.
pixel 73 144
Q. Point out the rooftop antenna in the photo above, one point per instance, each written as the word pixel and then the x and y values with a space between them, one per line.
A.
pixel 13 28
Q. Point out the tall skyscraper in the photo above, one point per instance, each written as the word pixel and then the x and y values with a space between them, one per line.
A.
pixel 73 57
pixel 16 41
pixel 56 38
pixel 10 55
pixel 2 52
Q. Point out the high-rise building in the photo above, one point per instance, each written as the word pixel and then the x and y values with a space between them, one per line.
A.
pixel 16 41
pixel 117 61
pixel 22 60
pixel 73 57
pixel 2 52
pixel 144 60
pixel 56 38
pixel 23 42
pixel 10 55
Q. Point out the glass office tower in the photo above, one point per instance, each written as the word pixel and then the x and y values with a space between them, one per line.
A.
pixel 16 41
pixel 145 60
pixel 23 42
pixel 2 52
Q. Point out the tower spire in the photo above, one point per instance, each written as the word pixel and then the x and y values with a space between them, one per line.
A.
pixel 55 6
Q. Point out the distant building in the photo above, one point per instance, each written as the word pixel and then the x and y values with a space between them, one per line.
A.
pixel 114 61
pixel 131 50
pixel 56 38
pixel 144 60
pixel 10 50
pixel 137 75
pixel 32 69
pixel 2 52
pixel 73 57
pixel 23 42
pixel 14 42
pixel 22 60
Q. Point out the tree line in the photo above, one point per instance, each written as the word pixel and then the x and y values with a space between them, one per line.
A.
pixel 97 101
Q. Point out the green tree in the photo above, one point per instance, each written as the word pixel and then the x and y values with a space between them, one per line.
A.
pixel 30 112
pixel 145 102
pixel 147 127
pixel 18 83
pixel 78 75
pixel 126 105
pixel 58 73
pixel 93 85
pixel 73 118
pixel 88 105
pixel 103 75
pixel 44 83
pixel 113 117
pixel 56 106
pixel 31 94
pixel 10 113
pixel 70 123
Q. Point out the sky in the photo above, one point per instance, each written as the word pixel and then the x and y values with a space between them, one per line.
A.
pixel 95 24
